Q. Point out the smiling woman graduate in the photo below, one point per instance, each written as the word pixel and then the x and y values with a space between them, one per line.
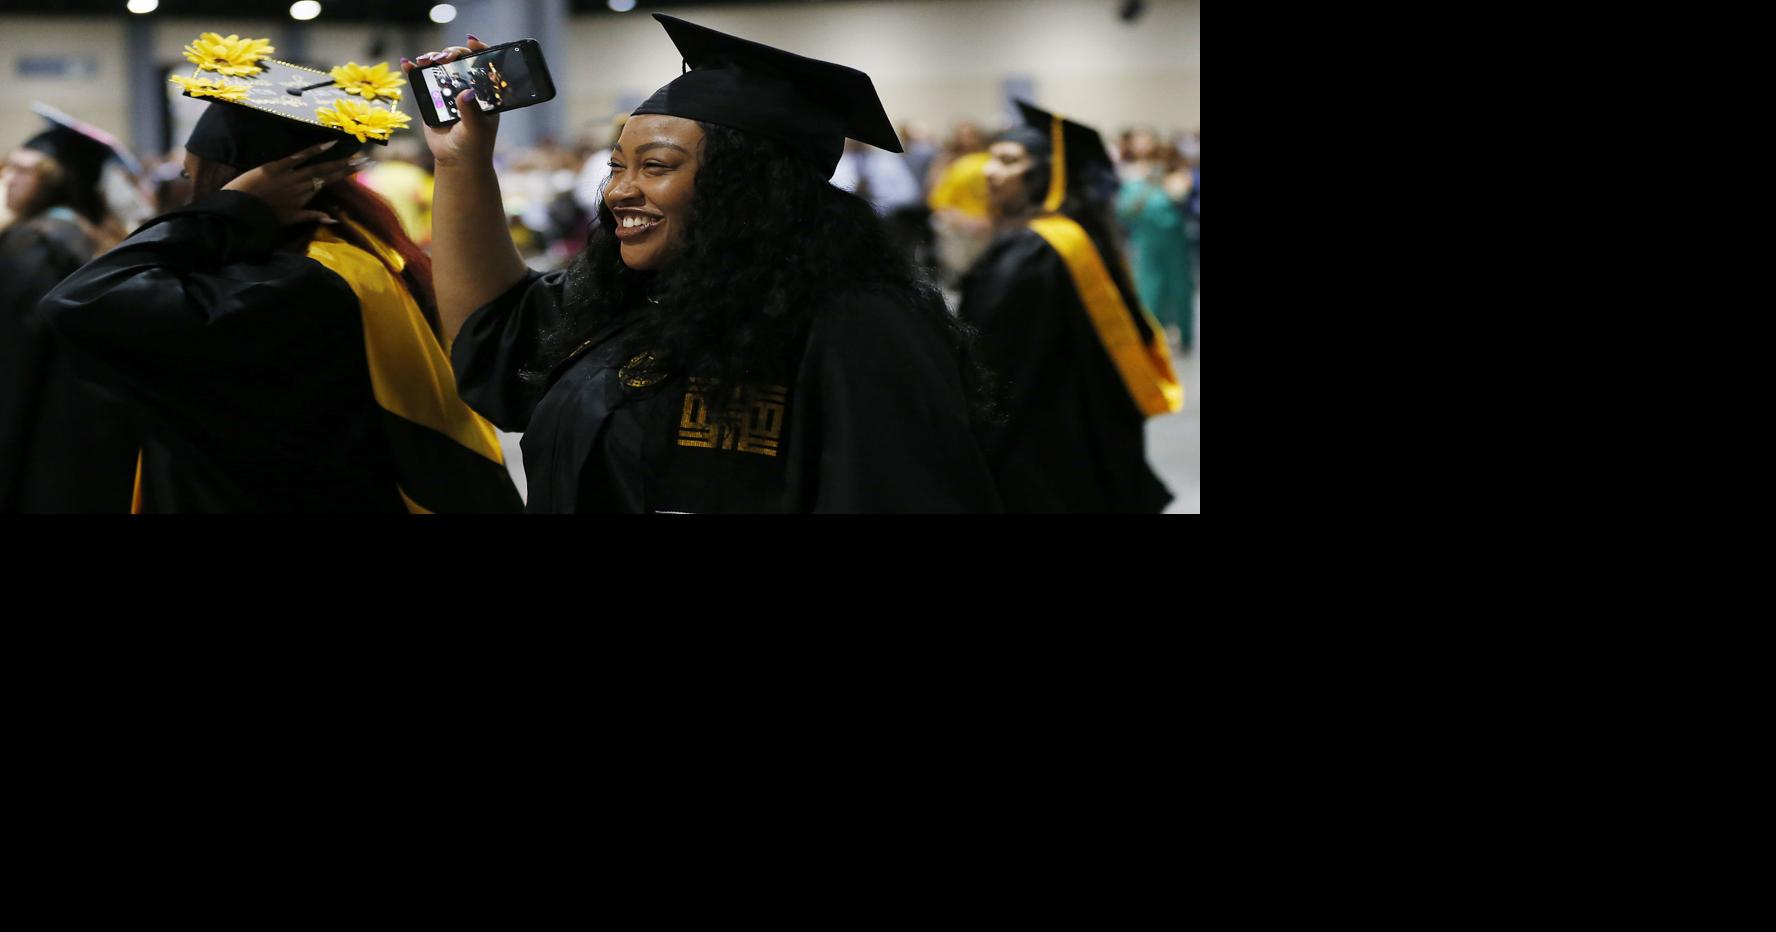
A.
pixel 278 334
pixel 739 335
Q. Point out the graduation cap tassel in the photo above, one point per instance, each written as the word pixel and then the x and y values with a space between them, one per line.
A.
pixel 1057 181
pixel 299 91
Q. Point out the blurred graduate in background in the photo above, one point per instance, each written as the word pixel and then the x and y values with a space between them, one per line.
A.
pixel 1083 364
pixel 64 447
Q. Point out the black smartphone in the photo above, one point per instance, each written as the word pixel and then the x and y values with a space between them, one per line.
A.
pixel 505 77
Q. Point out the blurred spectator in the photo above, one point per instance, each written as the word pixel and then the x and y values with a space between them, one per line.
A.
pixel 1189 145
pixel 1152 213
pixel 538 185
pixel 402 178
pixel 1139 151
pixel 921 153
pixel 877 176
pixel 589 188
pixel 965 139
pixel 961 219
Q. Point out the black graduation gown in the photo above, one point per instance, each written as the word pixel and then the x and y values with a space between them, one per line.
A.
pixel 64 448
pixel 1072 438
pixel 872 418
pixel 247 363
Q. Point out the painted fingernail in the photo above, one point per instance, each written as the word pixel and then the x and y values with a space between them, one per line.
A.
pixel 406 61
pixel 469 94
pixel 474 38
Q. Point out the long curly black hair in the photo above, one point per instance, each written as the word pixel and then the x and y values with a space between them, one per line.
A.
pixel 768 242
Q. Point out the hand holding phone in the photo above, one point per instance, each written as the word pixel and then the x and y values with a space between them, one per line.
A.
pixel 504 77
pixel 469 141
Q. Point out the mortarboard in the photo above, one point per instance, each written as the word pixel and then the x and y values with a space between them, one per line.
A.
pixel 1077 152
pixel 81 148
pixel 811 105
pixel 264 109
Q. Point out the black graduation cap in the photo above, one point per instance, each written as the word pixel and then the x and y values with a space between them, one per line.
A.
pixel 263 109
pixel 811 105
pixel 81 148
pixel 1077 150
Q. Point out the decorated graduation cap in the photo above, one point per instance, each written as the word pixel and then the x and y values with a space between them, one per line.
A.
pixel 81 148
pixel 263 109
pixel 813 106
pixel 1076 152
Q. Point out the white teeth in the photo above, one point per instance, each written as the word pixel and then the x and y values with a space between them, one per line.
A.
pixel 632 221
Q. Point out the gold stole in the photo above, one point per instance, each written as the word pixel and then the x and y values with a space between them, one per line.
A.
pixel 1146 367
pixel 409 370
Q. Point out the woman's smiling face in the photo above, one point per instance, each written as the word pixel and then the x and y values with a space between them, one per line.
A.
pixel 653 174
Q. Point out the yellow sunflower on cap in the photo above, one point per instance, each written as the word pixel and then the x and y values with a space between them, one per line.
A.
pixel 230 55
pixel 211 87
pixel 362 120
pixel 368 82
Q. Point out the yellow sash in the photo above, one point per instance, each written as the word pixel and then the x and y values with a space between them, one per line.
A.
pixel 409 372
pixel 1146 368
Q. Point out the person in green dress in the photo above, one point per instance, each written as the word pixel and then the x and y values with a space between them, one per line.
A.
pixel 1151 211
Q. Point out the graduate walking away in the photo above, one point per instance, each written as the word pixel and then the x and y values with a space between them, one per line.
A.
pixel 278 334
pixel 739 335
pixel 1084 365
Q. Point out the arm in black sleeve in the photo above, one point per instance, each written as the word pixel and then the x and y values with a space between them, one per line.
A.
pixel 198 283
pixel 198 300
pixel 503 340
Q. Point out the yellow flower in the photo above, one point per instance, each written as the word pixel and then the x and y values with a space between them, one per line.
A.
pixel 233 56
pixel 211 87
pixel 364 121
pixel 367 82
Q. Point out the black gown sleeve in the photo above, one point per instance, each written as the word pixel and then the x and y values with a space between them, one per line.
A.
pixel 884 414
pixel 501 341
pixel 197 310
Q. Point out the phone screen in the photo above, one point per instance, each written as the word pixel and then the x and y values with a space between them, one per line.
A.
pixel 501 79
